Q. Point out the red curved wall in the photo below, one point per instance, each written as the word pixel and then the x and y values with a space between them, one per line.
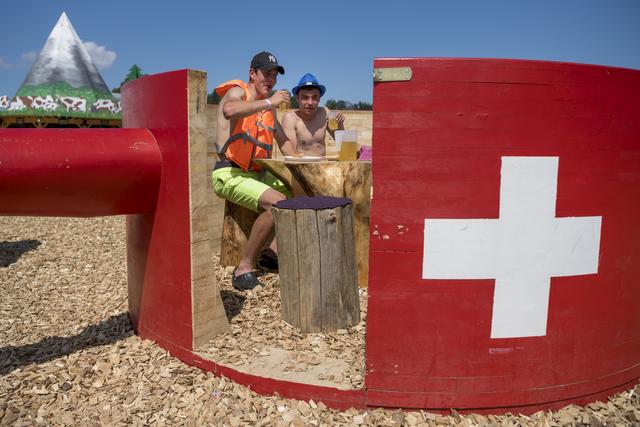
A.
pixel 479 140
pixel 474 160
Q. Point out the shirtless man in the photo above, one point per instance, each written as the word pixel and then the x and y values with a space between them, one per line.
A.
pixel 306 128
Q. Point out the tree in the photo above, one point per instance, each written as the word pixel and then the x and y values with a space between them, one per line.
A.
pixel 213 98
pixel 363 106
pixel 332 104
pixel 134 73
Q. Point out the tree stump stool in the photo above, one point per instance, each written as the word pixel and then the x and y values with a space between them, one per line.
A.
pixel 317 260
pixel 235 232
pixel 337 179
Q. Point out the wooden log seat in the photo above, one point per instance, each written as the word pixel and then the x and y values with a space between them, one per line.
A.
pixel 318 268
pixel 235 232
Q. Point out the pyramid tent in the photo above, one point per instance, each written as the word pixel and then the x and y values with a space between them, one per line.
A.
pixel 64 81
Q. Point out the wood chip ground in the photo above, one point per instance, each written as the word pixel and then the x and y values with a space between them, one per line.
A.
pixel 68 355
pixel 263 344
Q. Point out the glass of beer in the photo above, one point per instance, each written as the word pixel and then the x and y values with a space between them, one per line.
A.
pixel 347 141
pixel 283 106
pixel 333 120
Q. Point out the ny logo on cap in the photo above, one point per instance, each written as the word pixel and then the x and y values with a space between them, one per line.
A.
pixel 272 58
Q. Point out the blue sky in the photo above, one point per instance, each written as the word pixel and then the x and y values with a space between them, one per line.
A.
pixel 336 41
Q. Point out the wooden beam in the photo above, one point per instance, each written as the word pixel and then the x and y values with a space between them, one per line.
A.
pixel 208 316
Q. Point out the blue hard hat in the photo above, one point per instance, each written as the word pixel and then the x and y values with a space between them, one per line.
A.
pixel 309 80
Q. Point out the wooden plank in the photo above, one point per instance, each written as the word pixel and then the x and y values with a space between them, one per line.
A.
pixel 203 224
pixel 309 277
pixel 330 260
pixel 349 292
pixel 201 262
pixel 208 317
pixel 318 276
pixel 285 222
pixel 357 187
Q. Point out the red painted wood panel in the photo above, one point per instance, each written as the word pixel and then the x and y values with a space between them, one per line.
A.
pixel 158 244
pixel 439 141
pixel 78 172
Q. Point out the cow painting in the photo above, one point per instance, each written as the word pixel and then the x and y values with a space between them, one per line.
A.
pixel 47 103
pixel 26 100
pixel 4 102
pixel 17 105
pixel 103 105
pixel 72 103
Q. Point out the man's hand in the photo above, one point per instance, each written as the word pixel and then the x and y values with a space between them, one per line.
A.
pixel 279 97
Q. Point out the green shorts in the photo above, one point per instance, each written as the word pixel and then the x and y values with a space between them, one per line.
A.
pixel 245 188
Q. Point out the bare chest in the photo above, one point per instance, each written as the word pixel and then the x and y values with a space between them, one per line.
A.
pixel 311 132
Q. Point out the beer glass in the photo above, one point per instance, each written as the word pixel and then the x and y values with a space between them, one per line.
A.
pixel 333 120
pixel 283 106
pixel 347 145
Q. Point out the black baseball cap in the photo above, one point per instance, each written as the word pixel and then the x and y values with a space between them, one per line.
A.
pixel 266 61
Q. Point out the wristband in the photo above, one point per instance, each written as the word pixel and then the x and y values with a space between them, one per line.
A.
pixel 268 103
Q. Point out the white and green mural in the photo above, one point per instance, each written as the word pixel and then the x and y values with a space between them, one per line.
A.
pixel 63 82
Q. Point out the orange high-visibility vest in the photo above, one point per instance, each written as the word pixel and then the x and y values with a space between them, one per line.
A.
pixel 252 136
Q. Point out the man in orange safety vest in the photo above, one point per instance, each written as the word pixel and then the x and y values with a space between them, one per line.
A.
pixel 247 126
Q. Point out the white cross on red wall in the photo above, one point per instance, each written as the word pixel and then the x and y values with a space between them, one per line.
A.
pixel 521 250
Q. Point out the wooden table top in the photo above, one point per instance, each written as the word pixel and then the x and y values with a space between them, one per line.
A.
pixel 322 177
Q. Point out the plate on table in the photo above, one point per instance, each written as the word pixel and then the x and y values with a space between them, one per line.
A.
pixel 303 159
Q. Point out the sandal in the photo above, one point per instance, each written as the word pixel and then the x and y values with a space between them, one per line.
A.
pixel 244 282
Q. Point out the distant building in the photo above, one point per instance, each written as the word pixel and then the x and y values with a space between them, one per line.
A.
pixel 63 88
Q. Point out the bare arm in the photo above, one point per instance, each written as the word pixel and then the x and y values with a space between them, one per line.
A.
pixel 222 129
pixel 234 106
pixel 237 107
pixel 286 135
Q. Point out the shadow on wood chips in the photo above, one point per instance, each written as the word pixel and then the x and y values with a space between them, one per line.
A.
pixel 108 331
pixel 232 302
pixel 10 252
